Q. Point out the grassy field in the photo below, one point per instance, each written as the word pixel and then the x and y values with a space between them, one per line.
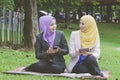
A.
pixel 110 41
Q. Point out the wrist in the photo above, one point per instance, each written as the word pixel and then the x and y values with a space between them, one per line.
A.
pixel 47 51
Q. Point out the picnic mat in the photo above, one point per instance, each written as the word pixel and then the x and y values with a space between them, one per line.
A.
pixel 70 75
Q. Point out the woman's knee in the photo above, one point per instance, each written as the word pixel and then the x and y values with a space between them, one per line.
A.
pixel 57 69
pixel 91 59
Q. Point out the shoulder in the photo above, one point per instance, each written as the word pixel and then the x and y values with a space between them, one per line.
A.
pixel 58 32
pixel 75 32
pixel 98 39
pixel 39 35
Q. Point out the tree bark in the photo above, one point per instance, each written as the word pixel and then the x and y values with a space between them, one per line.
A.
pixel 79 13
pixel 109 13
pixel 30 23
pixel 18 4
pixel 67 19
pixel 57 15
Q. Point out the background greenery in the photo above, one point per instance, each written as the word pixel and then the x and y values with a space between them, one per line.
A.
pixel 110 40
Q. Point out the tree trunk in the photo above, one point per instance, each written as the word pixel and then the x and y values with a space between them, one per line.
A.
pixel 30 23
pixel 67 19
pixel 74 16
pixel 109 13
pixel 18 4
pixel 80 13
pixel 57 15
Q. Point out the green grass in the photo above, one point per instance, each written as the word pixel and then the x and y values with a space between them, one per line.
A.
pixel 110 40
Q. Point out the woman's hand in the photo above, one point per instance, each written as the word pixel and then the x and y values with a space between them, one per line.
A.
pixel 56 50
pixel 78 53
pixel 52 50
pixel 86 53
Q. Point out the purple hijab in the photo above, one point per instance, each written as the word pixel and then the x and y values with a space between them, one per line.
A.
pixel 48 36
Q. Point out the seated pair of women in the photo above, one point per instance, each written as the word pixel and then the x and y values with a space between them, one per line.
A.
pixel 51 46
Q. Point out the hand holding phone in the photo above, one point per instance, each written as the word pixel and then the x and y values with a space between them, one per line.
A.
pixel 53 50
pixel 85 51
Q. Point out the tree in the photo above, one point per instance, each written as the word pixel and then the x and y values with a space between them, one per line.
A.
pixel 8 4
pixel 60 6
pixel 30 29
pixel 30 23
pixel 18 4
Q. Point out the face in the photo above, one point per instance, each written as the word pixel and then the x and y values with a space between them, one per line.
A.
pixel 53 26
pixel 82 26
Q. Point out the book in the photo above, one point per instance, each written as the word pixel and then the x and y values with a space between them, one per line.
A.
pixel 85 49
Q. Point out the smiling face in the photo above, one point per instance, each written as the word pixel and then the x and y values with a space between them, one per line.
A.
pixel 82 26
pixel 53 26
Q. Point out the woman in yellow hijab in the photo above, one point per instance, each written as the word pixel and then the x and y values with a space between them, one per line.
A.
pixel 85 48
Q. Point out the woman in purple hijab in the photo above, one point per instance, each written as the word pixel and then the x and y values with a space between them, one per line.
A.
pixel 45 24
pixel 50 47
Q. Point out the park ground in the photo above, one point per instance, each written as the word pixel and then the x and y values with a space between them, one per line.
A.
pixel 109 59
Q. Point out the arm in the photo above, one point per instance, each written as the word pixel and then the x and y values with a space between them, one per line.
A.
pixel 96 49
pixel 63 48
pixel 40 54
pixel 72 45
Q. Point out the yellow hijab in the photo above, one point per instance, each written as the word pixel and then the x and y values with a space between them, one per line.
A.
pixel 90 34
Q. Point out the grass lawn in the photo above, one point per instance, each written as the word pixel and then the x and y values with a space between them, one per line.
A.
pixel 110 41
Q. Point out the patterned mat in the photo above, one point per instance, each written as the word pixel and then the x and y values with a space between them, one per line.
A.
pixel 70 75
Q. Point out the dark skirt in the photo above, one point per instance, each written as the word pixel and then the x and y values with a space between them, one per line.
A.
pixel 89 65
pixel 46 67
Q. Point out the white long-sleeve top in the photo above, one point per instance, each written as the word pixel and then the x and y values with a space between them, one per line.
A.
pixel 75 45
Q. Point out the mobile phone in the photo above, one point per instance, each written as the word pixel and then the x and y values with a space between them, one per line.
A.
pixel 55 47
